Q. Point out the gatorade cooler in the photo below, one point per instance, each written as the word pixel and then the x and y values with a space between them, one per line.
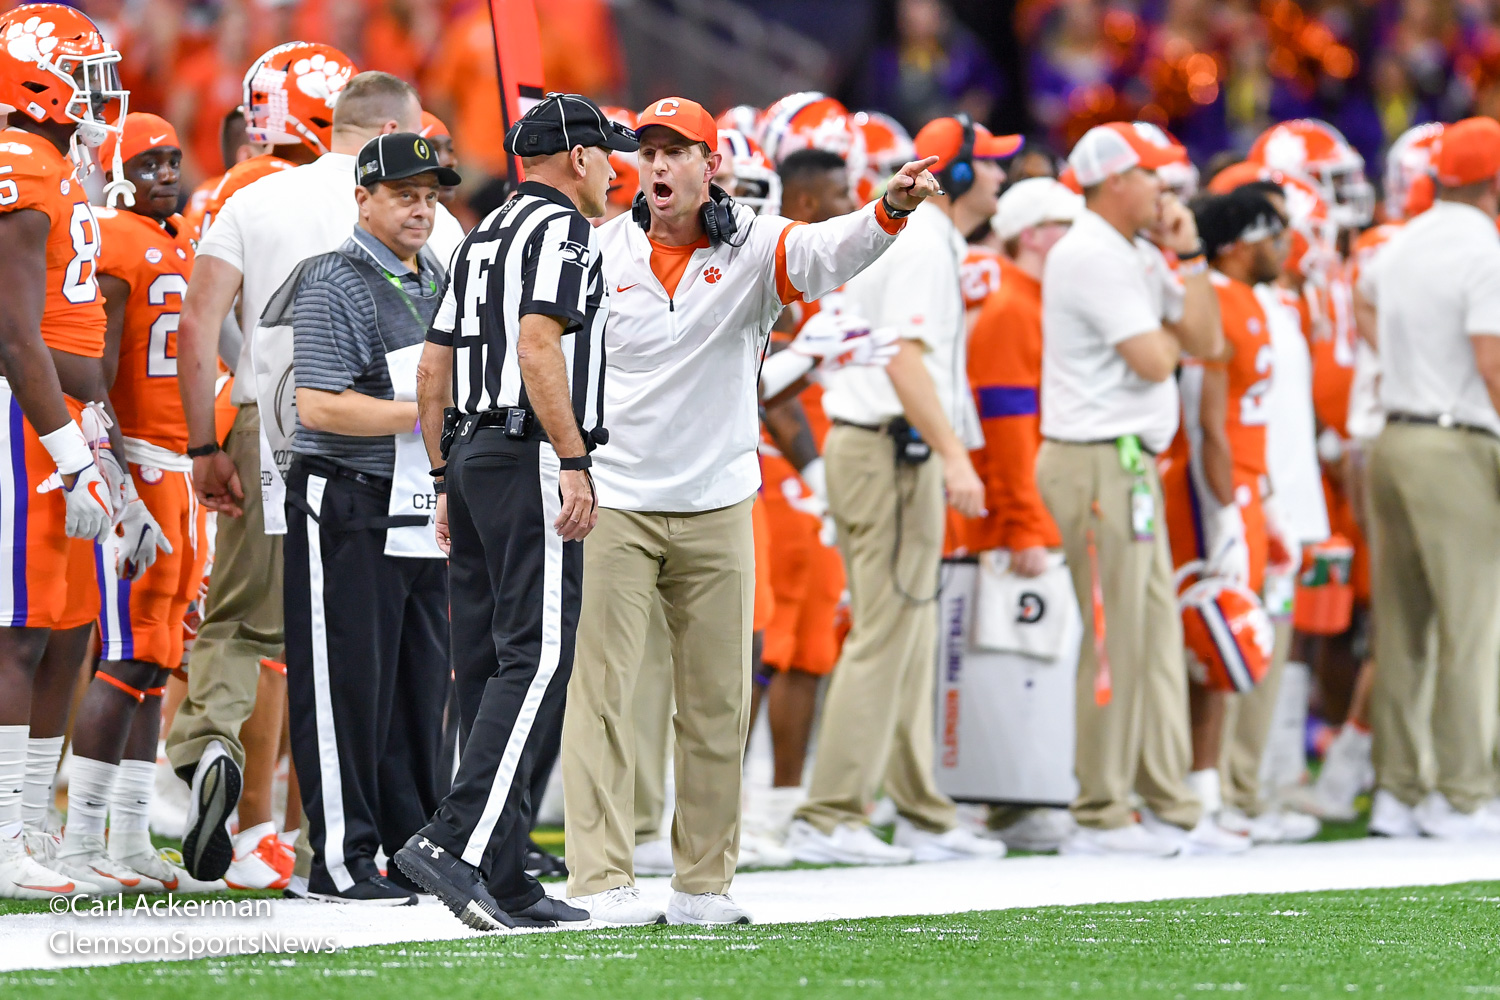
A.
pixel 1324 603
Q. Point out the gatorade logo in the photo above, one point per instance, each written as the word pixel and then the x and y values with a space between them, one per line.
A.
pixel 667 108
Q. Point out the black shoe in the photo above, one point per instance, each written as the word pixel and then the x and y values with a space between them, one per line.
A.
pixel 540 864
pixel 456 882
pixel 207 848
pixel 398 878
pixel 373 891
pixel 549 912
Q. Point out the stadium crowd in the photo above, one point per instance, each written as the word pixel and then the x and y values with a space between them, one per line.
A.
pixel 1157 386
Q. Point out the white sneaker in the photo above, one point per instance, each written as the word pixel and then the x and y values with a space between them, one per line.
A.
pixel 621 906
pixel 762 852
pixel 1390 817
pixel 42 844
pixel 1208 837
pixel 261 860
pixel 883 812
pixel 957 844
pixel 23 877
pixel 1437 818
pixel 165 866
pixel 770 810
pixel 654 857
pixel 83 857
pixel 848 844
pixel 1274 826
pixel 1346 772
pixel 1041 830
pixel 1132 840
pixel 169 802
pixel 705 908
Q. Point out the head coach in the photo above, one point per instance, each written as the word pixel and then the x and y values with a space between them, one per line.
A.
pixel 518 347
pixel 696 283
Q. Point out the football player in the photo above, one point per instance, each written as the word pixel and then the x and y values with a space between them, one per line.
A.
pixel 57 84
pixel 437 134
pixel 143 273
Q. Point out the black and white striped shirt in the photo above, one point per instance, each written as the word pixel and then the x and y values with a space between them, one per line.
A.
pixel 534 254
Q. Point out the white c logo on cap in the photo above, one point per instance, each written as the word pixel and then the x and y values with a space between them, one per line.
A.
pixel 662 107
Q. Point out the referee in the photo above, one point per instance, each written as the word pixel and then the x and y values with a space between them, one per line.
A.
pixel 520 339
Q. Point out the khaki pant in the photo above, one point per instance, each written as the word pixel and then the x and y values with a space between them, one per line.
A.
pixel 1247 727
pixel 878 711
pixel 1141 739
pixel 1434 497
pixel 653 728
pixel 242 617
pixel 703 568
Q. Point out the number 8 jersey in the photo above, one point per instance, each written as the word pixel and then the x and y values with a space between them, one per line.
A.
pixel 35 175
pixel 155 263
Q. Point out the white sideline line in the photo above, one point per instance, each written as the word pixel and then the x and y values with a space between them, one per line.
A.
pixel 850 893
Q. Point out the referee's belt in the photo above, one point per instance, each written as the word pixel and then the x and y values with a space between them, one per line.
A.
pixel 1444 421
pixel 519 424
pixel 332 470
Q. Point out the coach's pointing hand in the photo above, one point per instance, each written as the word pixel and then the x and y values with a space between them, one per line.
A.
pixel 912 185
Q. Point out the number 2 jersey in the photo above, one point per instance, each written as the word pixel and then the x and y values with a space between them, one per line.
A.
pixel 35 175
pixel 155 262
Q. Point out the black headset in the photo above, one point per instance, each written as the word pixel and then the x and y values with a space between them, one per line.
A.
pixel 716 215
pixel 958 176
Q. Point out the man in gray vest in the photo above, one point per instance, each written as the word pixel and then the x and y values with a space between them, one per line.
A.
pixel 366 594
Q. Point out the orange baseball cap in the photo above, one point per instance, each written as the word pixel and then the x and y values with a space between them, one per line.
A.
pixel 686 118
pixel 944 138
pixel 432 126
pixel 1468 152
pixel 1107 150
pixel 142 131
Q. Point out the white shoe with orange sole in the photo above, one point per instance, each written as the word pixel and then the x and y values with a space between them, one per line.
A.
pixel 261 860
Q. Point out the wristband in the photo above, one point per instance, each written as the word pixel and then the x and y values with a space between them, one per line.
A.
pixel 1189 266
pixel 69 451
pixel 203 450
pixel 578 464
pixel 439 472
pixel 893 211
pixel 439 487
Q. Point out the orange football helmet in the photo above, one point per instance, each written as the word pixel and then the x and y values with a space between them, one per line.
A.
pixel 746 173
pixel 56 67
pixel 1316 150
pixel 1408 164
pixel 1314 233
pixel 1227 633
pixel 289 94
pixel 888 148
pixel 810 120
pixel 622 190
pixel 744 117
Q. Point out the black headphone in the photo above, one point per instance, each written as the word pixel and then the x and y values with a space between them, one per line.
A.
pixel 716 215
pixel 958 176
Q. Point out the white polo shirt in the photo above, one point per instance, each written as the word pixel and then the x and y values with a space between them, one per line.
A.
pixel 914 288
pixel 269 227
pixel 681 394
pixel 1438 282
pixel 1098 290
pixel 1291 427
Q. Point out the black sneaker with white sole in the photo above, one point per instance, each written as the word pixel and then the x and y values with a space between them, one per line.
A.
pixel 456 882
pixel 376 890
pixel 207 847
pixel 540 863
pixel 550 912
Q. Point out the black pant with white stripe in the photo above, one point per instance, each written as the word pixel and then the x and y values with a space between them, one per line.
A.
pixel 367 673
pixel 517 588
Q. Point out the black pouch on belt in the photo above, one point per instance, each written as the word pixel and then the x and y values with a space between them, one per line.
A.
pixel 910 448
pixel 450 429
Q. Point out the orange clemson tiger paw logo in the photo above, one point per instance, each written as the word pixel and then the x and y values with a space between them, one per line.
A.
pixel 711 275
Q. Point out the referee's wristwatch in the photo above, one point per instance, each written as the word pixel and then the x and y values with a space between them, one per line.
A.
pixel 578 464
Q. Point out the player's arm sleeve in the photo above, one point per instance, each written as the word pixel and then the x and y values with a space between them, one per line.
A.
pixel 555 274
pixel 330 315
pixel 808 261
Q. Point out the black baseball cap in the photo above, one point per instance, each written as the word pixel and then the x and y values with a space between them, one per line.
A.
pixel 398 155
pixel 559 122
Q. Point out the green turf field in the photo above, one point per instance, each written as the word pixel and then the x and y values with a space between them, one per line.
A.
pixel 1409 943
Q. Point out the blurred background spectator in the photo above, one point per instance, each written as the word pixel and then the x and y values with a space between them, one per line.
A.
pixel 1214 72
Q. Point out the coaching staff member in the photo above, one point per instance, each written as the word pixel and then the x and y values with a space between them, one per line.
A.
pixel 366 629
pixel 520 341
pixel 1114 324
pixel 696 283
pixel 1435 500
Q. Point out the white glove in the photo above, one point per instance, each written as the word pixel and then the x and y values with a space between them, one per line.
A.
pixel 1286 551
pixel 815 476
pixel 1228 554
pixel 828 331
pixel 874 351
pixel 121 489
pixel 90 513
pixel 140 538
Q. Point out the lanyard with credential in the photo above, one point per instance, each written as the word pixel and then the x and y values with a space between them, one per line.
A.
pixel 396 284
